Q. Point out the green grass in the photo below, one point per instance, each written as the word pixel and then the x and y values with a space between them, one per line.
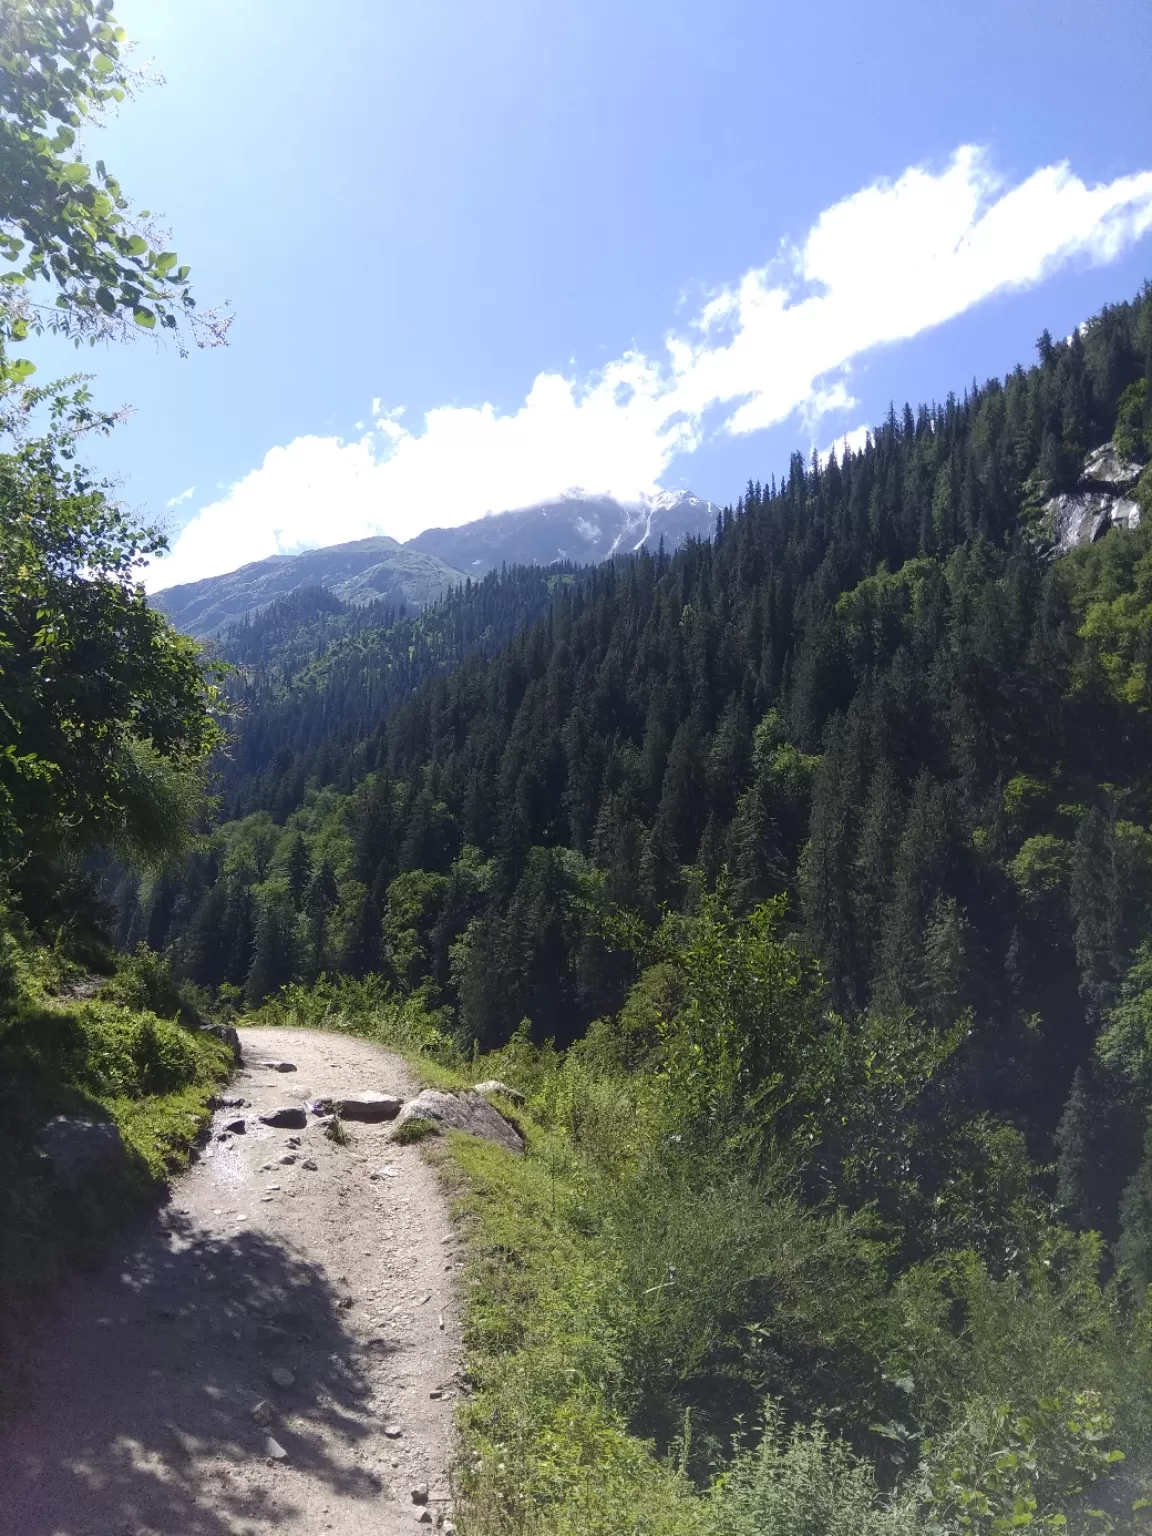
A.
pixel 414 1130
pixel 152 1077
pixel 545 1451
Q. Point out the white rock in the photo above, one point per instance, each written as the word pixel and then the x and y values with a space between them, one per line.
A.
pixel 494 1085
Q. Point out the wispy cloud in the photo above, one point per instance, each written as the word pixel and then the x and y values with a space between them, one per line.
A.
pixel 178 501
pixel 885 264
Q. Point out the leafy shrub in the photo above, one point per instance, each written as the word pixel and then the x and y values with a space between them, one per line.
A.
pixel 1000 1468
pixel 803 1482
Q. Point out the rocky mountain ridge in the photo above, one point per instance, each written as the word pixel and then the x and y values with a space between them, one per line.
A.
pixel 575 527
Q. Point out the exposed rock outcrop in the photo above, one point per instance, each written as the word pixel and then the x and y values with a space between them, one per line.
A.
pixel 1100 501
pixel 462 1112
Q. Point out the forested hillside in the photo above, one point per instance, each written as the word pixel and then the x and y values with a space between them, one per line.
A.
pixel 802 880
pixel 875 692
pixel 314 676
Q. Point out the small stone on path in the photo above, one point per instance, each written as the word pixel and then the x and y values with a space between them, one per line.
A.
pixel 309 1164
pixel 282 1377
pixel 238 1127
pixel 393 1431
pixel 274 1450
pixel 286 1117
pixel 420 1493
pixel 263 1413
pixel 283 1066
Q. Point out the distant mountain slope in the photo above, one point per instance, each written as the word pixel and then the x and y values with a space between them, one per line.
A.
pixel 366 571
pixel 579 528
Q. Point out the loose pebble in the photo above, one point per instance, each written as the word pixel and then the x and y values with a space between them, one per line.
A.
pixel 281 1376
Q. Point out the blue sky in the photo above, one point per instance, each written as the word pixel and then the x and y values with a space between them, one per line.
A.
pixel 499 212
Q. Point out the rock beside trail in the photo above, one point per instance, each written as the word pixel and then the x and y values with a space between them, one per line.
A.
pixel 462 1112
pixel 76 1150
pixel 286 1117
pixel 229 1036
pixel 367 1105
pixel 494 1085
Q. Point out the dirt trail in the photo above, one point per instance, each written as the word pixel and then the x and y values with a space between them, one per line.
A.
pixel 135 1388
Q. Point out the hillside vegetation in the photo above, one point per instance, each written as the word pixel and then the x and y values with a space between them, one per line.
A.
pixel 802 882
pixel 106 714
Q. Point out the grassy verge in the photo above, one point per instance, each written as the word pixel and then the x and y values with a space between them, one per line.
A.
pixel 546 1448
pixel 107 1058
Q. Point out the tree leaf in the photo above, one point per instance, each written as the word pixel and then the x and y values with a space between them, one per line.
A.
pixel 144 317
pixel 76 172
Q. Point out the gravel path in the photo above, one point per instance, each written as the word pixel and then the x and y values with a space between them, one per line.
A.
pixel 324 1292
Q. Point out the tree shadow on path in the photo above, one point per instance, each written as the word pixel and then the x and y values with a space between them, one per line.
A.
pixel 130 1402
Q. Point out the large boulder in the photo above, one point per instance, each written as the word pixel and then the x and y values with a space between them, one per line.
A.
pixel 367 1105
pixel 75 1150
pixel 469 1112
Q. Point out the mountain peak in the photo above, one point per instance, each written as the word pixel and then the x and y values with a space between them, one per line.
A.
pixel 575 526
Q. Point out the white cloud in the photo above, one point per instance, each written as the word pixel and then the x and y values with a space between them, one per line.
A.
pixel 853 439
pixel 885 264
pixel 178 501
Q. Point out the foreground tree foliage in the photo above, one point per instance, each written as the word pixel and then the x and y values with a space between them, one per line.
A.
pixel 105 712
pixel 64 225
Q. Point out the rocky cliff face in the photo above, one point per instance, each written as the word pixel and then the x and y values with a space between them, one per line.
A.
pixel 1102 500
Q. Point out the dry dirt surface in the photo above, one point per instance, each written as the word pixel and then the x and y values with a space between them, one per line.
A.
pixel 286 1271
